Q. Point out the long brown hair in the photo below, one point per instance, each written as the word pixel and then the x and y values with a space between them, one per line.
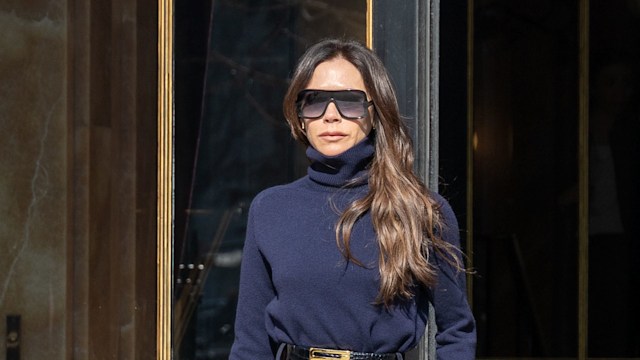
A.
pixel 405 216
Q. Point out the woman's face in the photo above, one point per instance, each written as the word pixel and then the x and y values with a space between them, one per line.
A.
pixel 331 134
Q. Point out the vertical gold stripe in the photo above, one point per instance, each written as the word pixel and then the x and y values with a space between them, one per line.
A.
pixel 165 161
pixel 583 173
pixel 369 24
pixel 470 105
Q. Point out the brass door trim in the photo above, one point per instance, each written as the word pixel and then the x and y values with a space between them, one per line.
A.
pixel 369 24
pixel 165 178
pixel 583 177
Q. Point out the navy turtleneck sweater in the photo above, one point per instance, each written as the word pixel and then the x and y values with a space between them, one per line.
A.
pixel 297 288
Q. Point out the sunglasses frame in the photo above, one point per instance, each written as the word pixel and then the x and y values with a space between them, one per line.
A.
pixel 365 103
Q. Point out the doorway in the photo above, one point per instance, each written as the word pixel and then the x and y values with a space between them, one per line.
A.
pixel 546 197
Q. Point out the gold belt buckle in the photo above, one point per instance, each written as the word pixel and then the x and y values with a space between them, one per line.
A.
pixel 316 353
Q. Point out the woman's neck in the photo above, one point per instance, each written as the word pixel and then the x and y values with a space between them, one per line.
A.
pixel 347 168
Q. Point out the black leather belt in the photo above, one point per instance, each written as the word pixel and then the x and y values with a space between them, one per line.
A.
pixel 299 352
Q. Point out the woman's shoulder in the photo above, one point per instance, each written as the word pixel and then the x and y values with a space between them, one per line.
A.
pixel 450 229
pixel 443 206
pixel 276 195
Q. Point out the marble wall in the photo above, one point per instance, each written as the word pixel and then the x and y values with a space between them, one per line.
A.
pixel 78 125
pixel 33 184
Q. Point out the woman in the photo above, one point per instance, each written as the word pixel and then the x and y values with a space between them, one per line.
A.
pixel 348 257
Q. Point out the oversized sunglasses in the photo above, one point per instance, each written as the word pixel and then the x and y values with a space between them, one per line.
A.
pixel 351 104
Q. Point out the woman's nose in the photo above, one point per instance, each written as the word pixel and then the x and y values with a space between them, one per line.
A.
pixel 332 114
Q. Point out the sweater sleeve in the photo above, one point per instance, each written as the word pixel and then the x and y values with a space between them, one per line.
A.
pixel 256 291
pixel 456 335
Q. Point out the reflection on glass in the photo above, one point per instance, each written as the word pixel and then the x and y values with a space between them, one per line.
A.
pixel 614 150
pixel 524 178
pixel 233 59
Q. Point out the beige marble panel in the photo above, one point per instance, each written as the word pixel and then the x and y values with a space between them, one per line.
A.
pixel 34 180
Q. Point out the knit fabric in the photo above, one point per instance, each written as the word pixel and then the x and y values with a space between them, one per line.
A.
pixel 297 288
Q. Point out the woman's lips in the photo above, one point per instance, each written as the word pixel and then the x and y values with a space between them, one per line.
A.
pixel 332 135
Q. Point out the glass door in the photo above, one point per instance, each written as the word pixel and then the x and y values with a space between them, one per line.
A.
pixel 232 63
pixel 551 176
pixel 613 175
pixel 524 184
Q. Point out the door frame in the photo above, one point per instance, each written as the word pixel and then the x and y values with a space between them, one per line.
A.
pixel 412 63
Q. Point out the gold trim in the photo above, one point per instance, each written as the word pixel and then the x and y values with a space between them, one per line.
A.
pixel 165 180
pixel 317 353
pixel 470 105
pixel 369 24
pixel 583 177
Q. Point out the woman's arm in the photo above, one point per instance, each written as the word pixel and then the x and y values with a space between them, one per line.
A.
pixel 456 336
pixel 256 290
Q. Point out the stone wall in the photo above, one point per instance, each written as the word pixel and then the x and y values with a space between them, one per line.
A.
pixel 78 123
pixel 33 184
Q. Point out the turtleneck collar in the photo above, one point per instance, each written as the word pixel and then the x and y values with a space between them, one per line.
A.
pixel 339 170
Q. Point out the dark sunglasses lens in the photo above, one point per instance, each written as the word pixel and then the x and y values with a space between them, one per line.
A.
pixel 351 103
pixel 313 104
pixel 350 109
